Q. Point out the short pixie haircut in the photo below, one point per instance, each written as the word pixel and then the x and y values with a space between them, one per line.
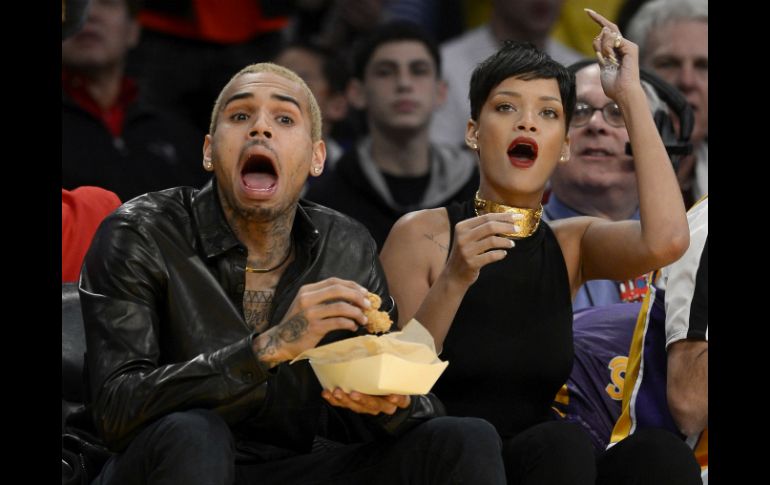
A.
pixel 524 61
pixel 315 112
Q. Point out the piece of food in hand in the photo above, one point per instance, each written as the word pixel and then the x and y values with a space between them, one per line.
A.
pixel 377 321
pixel 375 300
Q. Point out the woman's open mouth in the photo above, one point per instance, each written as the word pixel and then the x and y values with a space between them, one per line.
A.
pixel 522 152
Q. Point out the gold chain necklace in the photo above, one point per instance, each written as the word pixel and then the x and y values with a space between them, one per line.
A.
pixel 528 225
pixel 267 270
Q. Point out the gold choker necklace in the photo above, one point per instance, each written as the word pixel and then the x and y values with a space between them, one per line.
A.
pixel 527 226
pixel 267 270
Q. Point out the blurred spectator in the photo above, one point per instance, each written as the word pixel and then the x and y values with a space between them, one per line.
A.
pixel 673 41
pixel 599 178
pixel 442 19
pixel 575 30
pixel 396 169
pixel 627 11
pixel 337 23
pixel 342 22
pixel 592 395
pixel 522 20
pixel 111 137
pixel 327 78
pixel 666 384
pixel 82 210
pixel 191 48
pixel 476 12
pixel 73 14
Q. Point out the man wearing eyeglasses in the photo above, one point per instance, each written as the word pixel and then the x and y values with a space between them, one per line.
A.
pixel 599 179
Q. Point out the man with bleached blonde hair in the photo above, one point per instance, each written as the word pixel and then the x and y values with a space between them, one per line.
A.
pixel 195 302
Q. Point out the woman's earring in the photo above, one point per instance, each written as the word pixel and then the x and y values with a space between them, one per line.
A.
pixel 207 164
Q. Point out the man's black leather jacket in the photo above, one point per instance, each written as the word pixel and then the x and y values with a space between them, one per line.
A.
pixel 161 291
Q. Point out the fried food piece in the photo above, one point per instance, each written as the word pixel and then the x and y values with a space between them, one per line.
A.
pixel 377 321
pixel 375 300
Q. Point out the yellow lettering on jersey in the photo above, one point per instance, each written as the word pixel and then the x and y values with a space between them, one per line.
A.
pixel 617 369
pixel 561 401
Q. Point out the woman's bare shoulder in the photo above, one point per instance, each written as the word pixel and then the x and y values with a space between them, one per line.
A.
pixel 418 244
pixel 420 231
pixel 415 225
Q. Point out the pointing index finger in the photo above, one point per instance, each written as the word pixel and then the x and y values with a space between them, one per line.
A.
pixel 599 19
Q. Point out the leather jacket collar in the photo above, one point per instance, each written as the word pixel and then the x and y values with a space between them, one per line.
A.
pixel 217 236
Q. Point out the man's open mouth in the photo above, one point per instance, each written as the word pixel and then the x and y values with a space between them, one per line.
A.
pixel 258 173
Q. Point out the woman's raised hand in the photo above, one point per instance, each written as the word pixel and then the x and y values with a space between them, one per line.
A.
pixel 618 58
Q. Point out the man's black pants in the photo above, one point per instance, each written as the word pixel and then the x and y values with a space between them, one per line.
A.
pixel 196 447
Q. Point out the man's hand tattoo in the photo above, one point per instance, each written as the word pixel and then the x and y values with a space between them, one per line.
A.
pixel 272 340
pixel 293 328
pixel 269 349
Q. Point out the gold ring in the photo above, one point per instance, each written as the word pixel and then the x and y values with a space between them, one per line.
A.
pixel 618 40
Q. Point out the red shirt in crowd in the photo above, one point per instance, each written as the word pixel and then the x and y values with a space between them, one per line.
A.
pixel 82 210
